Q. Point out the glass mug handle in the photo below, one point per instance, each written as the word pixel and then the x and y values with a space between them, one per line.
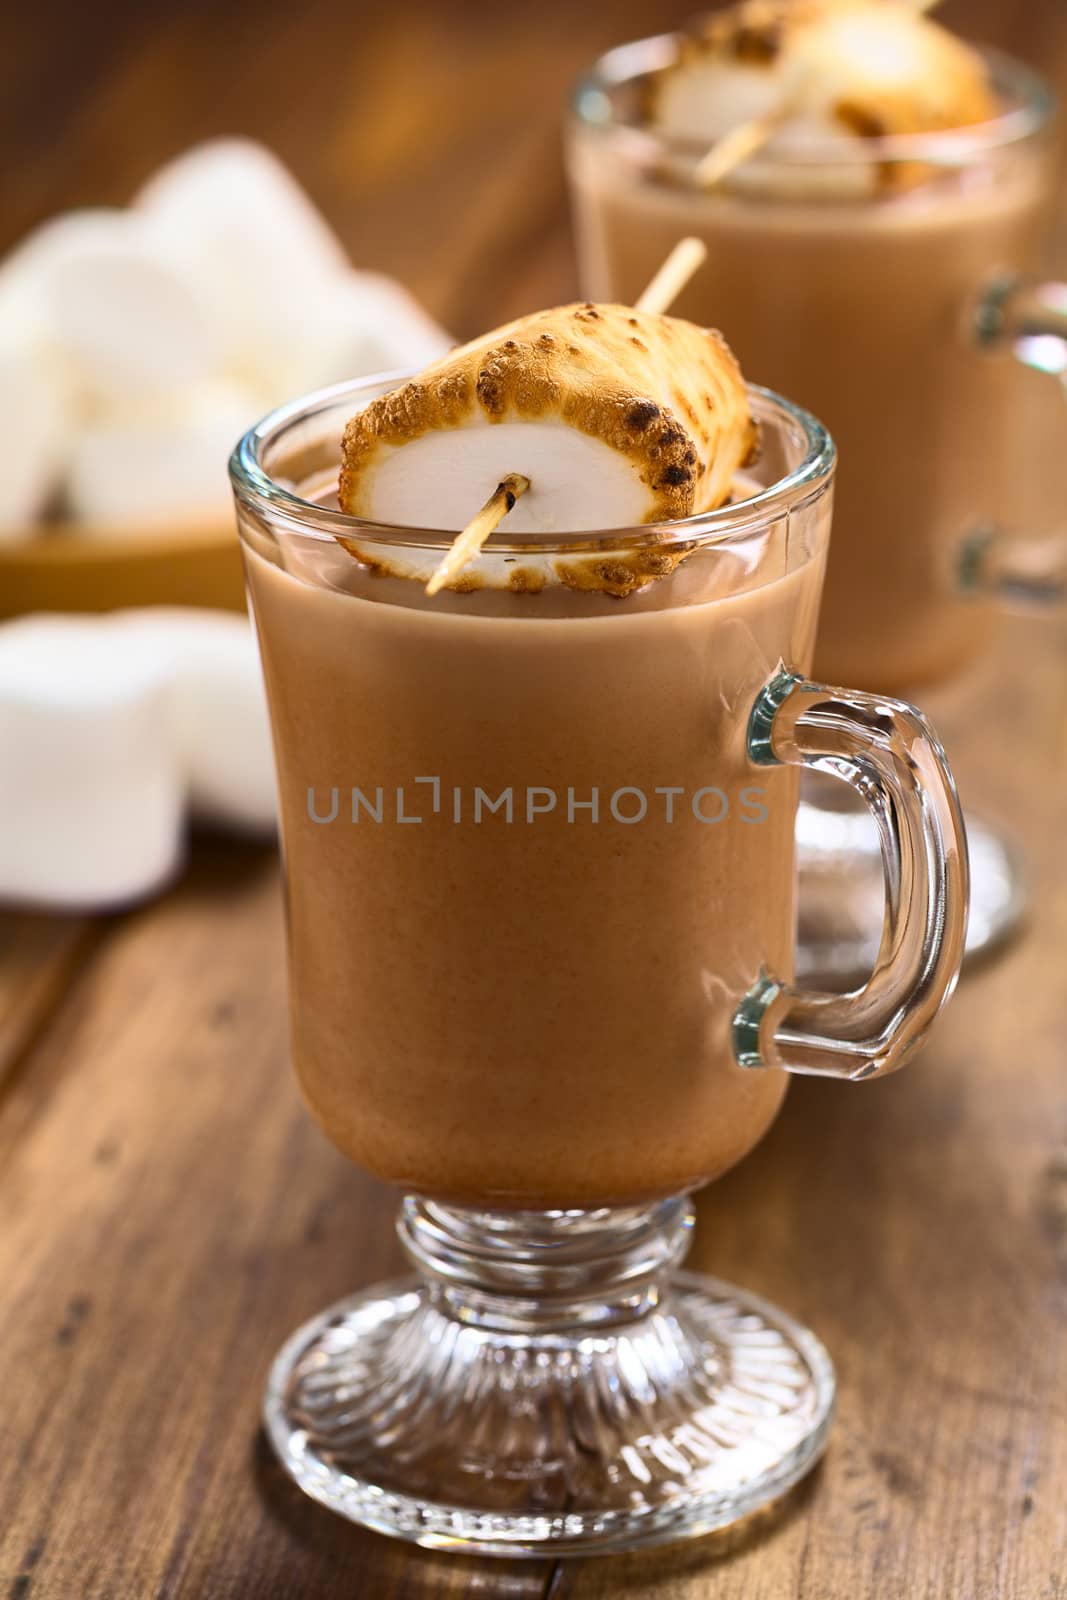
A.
pixel 1028 317
pixel 888 752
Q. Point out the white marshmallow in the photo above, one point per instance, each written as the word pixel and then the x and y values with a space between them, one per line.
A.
pixel 110 296
pixel 220 729
pixel 90 796
pixel 704 99
pixel 388 325
pixel 36 422
pixel 260 251
pixel 160 465
pixel 365 323
pixel 576 481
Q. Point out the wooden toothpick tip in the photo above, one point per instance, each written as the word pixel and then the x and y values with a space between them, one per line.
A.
pixel 467 544
pixel 736 147
pixel 672 277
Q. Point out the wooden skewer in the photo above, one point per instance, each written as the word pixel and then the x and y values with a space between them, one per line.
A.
pixel 467 544
pixel 672 277
pixel 737 146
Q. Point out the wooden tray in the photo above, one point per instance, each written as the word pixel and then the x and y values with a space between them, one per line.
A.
pixel 101 570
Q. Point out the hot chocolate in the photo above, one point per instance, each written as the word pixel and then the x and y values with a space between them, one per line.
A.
pixel 518 947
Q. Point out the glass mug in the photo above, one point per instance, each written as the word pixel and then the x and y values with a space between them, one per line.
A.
pixel 539 860
pixel 894 318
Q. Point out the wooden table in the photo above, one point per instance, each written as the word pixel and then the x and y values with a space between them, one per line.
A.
pixel 168 1212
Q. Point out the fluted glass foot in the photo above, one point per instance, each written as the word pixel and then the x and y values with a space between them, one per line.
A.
pixel 841 895
pixel 549 1384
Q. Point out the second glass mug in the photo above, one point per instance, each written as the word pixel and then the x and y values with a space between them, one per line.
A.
pixel 539 857
pixel 893 315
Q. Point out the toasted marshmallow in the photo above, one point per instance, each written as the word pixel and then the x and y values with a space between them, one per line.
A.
pixel 107 294
pixel 262 255
pixel 839 72
pixel 90 794
pixel 617 417
pixel 160 465
pixel 220 731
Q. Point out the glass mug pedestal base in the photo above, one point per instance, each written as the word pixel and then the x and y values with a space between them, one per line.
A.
pixel 549 1384
pixel 840 892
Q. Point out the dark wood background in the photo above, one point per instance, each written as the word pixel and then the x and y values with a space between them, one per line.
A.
pixel 167 1211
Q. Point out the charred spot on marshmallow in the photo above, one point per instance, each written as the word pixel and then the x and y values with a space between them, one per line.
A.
pixel 758 46
pixel 642 414
pixel 491 389
pixel 860 121
pixel 526 580
pixel 615 577
pixel 619 575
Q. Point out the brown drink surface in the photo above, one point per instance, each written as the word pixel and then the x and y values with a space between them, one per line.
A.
pixel 857 310
pixel 532 1013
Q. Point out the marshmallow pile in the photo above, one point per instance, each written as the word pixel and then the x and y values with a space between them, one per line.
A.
pixel 835 74
pixel 115 729
pixel 137 345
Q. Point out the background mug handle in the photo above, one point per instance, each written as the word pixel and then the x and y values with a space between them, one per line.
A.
pixel 1027 316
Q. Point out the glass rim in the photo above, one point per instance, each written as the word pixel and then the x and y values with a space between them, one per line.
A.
pixel 253 485
pixel 1031 111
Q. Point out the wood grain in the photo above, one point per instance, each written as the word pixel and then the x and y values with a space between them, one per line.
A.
pixel 167 1210
pixel 39 953
pixel 141 1307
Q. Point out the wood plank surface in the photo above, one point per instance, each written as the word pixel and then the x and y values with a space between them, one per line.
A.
pixel 167 1210
pixel 39 953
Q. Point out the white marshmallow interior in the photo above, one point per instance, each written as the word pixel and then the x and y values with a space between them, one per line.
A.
pixel 442 478
pixel 702 101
